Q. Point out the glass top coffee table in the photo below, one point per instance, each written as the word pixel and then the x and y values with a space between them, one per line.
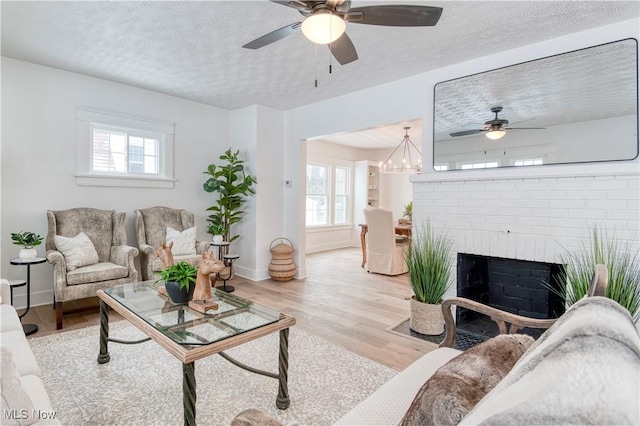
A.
pixel 190 335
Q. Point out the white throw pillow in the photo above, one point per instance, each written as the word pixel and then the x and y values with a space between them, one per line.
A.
pixel 77 251
pixel 14 399
pixel 184 243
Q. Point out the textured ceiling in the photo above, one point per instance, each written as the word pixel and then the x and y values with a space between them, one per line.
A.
pixel 193 49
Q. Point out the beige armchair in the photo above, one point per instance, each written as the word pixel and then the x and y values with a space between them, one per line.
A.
pixel 385 249
pixel 113 264
pixel 151 230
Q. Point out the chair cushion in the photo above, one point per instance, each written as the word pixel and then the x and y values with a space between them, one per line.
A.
pixel 35 389
pixel 77 251
pixel 194 260
pixel 458 385
pixel 103 271
pixel 14 398
pixel 184 243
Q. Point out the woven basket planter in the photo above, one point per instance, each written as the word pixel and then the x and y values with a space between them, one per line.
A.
pixel 426 318
pixel 282 267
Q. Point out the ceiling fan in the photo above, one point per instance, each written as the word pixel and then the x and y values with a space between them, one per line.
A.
pixel 325 23
pixel 495 129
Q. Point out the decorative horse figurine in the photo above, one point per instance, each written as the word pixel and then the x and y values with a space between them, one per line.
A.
pixel 208 266
pixel 165 254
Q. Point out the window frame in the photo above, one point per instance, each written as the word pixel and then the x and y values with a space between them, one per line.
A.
pixel 331 195
pixel 89 118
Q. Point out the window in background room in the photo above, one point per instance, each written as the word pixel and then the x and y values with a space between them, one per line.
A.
pixel 529 162
pixel 116 149
pixel 487 165
pixel 328 195
pixel 317 194
pixel 441 167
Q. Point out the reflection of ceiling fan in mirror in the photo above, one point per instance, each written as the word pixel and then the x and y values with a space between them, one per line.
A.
pixel 495 129
pixel 325 23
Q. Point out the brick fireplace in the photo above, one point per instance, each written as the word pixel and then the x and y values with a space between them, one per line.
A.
pixel 517 286
pixel 535 214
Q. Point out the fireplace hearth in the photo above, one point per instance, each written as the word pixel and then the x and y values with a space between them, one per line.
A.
pixel 516 286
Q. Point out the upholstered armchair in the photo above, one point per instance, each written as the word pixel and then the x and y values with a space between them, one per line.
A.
pixel 151 230
pixel 83 265
pixel 385 249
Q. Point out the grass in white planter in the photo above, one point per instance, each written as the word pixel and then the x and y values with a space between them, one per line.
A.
pixel 429 263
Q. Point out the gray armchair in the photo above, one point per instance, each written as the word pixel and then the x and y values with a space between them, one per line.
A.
pixel 151 230
pixel 105 229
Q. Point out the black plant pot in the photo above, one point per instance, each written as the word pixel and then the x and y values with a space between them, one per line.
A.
pixel 177 294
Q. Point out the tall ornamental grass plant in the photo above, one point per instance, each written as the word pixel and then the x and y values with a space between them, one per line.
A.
pixel 429 263
pixel 623 265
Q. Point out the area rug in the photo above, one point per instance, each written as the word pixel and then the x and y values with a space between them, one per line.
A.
pixel 142 384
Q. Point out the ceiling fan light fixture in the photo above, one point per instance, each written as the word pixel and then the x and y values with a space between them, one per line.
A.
pixel 495 134
pixel 323 27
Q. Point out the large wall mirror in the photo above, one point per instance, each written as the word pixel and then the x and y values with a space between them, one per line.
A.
pixel 580 106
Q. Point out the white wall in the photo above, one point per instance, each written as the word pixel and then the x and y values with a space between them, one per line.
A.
pixel 38 156
pixel 410 98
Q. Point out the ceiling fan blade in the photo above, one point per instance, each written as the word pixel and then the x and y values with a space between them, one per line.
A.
pixel 395 15
pixel 296 4
pixel 466 133
pixel 273 36
pixel 343 50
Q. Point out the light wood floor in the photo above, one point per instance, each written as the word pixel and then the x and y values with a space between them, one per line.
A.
pixel 338 301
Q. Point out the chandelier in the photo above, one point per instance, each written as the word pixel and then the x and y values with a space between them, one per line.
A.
pixel 406 158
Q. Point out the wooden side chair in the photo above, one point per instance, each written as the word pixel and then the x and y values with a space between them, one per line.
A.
pixel 509 323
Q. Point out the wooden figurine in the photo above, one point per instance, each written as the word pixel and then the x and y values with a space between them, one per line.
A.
pixel 165 254
pixel 208 266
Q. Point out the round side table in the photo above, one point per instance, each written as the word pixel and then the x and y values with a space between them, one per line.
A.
pixel 28 328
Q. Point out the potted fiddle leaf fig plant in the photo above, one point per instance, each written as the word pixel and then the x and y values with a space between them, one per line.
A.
pixel 232 184
pixel 429 262
pixel 27 240
pixel 180 281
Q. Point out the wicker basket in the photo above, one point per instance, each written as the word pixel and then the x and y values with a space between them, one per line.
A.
pixel 282 267
pixel 426 318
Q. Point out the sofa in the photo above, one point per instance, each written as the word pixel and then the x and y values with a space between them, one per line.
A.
pixel 24 397
pixel 585 369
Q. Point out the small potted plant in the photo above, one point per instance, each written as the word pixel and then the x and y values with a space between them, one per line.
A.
pixel 218 231
pixel 27 240
pixel 180 281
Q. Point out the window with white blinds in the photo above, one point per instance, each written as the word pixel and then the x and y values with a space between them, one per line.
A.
pixel 116 149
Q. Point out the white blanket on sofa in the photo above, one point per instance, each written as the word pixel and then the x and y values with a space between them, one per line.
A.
pixel 584 370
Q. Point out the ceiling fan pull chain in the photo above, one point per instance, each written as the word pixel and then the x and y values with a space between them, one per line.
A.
pixel 316 67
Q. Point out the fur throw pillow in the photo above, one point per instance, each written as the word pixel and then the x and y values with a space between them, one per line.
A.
pixel 456 387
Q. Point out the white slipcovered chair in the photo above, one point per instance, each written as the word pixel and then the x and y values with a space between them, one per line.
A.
pixel 385 249
pixel 151 230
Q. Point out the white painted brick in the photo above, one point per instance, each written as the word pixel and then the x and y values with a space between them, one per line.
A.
pixel 587 214
pixel 623 215
pixel 587 195
pixel 539 250
pixel 634 183
pixel 607 204
pixel 619 194
pixel 494 244
pixel 567 204
pixel 605 185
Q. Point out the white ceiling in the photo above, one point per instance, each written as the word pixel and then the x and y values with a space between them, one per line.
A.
pixel 193 49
